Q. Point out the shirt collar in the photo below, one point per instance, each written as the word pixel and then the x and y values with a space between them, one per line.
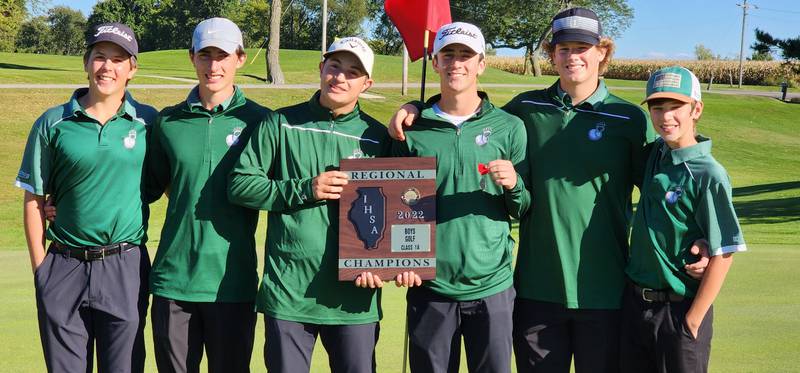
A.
pixel 323 112
pixel 595 99
pixel 74 106
pixel 485 107
pixel 193 100
pixel 681 155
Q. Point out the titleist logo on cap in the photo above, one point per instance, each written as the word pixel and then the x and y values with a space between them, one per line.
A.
pixel 113 30
pixel 457 31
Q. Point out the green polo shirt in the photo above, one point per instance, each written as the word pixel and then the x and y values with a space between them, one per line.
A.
pixel 275 172
pixel 92 170
pixel 584 160
pixel 474 247
pixel 207 248
pixel 686 196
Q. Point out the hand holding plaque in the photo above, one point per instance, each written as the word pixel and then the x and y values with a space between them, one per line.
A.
pixel 387 218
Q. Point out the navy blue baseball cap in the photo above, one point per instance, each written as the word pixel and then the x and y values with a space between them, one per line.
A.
pixel 576 24
pixel 117 33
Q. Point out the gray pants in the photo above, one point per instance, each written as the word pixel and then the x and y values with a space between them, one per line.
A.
pixel 436 324
pixel 351 348
pixel 82 305
pixel 182 329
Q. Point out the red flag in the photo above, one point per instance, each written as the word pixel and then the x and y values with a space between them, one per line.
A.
pixel 413 18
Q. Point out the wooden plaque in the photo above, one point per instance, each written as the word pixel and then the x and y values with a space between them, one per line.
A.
pixel 387 218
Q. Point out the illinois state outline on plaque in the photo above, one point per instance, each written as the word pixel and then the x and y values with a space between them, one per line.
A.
pixel 368 214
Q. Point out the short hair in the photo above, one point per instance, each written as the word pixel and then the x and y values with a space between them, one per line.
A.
pixel 605 43
pixel 134 62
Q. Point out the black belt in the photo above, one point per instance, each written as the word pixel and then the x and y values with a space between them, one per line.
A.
pixel 90 253
pixel 661 296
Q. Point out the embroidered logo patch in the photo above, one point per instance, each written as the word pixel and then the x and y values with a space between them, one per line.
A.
pixel 667 80
pixel 483 138
pixel 233 138
pixel 596 133
pixel 357 154
pixel 129 141
pixel 673 195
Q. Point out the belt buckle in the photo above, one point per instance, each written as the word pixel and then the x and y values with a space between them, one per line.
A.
pixel 644 296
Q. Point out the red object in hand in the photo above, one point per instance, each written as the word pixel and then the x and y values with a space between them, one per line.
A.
pixel 413 18
pixel 482 169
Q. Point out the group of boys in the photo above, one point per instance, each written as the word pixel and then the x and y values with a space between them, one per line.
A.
pixel 562 160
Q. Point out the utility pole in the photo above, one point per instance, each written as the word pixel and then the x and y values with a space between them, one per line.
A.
pixel 324 26
pixel 744 6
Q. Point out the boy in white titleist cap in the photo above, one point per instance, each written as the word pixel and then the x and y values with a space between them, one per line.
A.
pixel 477 147
pixel 289 168
pixel 666 314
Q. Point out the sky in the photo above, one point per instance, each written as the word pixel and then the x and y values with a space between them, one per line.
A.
pixel 672 28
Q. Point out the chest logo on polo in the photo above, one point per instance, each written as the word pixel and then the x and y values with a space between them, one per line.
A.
pixel 368 214
pixel 673 195
pixel 596 133
pixel 233 138
pixel 483 138
pixel 129 141
pixel 357 154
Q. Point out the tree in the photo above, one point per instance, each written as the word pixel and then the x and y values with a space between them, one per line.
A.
pixel 34 36
pixel 171 28
pixel 12 13
pixel 137 14
pixel 274 72
pixel 765 44
pixel 702 53
pixel 67 27
pixel 516 24
pixel 252 18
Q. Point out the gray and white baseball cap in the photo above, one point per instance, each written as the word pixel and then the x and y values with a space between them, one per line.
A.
pixel 356 46
pixel 217 32
pixel 460 33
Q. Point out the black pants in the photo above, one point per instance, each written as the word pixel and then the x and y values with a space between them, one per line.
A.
pixel 436 324
pixel 289 345
pixel 547 336
pixel 182 329
pixel 655 338
pixel 86 304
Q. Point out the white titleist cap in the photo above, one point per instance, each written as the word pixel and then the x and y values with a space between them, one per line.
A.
pixel 460 33
pixel 356 46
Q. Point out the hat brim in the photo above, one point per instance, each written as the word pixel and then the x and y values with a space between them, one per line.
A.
pixel 360 61
pixel 563 37
pixel 670 95
pixel 124 46
pixel 228 46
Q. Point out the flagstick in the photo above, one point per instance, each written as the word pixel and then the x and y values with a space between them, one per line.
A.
pixel 405 343
pixel 424 66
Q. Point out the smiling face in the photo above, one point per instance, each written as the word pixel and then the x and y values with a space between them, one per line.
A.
pixel 342 79
pixel 577 62
pixel 458 67
pixel 216 69
pixel 109 68
pixel 675 120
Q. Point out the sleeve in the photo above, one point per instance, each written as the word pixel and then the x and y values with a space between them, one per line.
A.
pixel 400 148
pixel 157 171
pixel 34 172
pixel 252 183
pixel 717 219
pixel 641 148
pixel 518 199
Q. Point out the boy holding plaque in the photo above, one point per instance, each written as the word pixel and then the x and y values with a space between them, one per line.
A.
pixel 477 147
pixel 288 168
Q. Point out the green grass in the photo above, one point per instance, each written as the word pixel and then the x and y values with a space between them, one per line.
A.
pixel 755 138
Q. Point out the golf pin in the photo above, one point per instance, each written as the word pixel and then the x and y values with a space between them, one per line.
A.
pixel 483 170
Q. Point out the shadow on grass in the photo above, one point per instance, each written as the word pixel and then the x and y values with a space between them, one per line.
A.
pixel 769 211
pixel 14 66
pixel 765 188
pixel 256 77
